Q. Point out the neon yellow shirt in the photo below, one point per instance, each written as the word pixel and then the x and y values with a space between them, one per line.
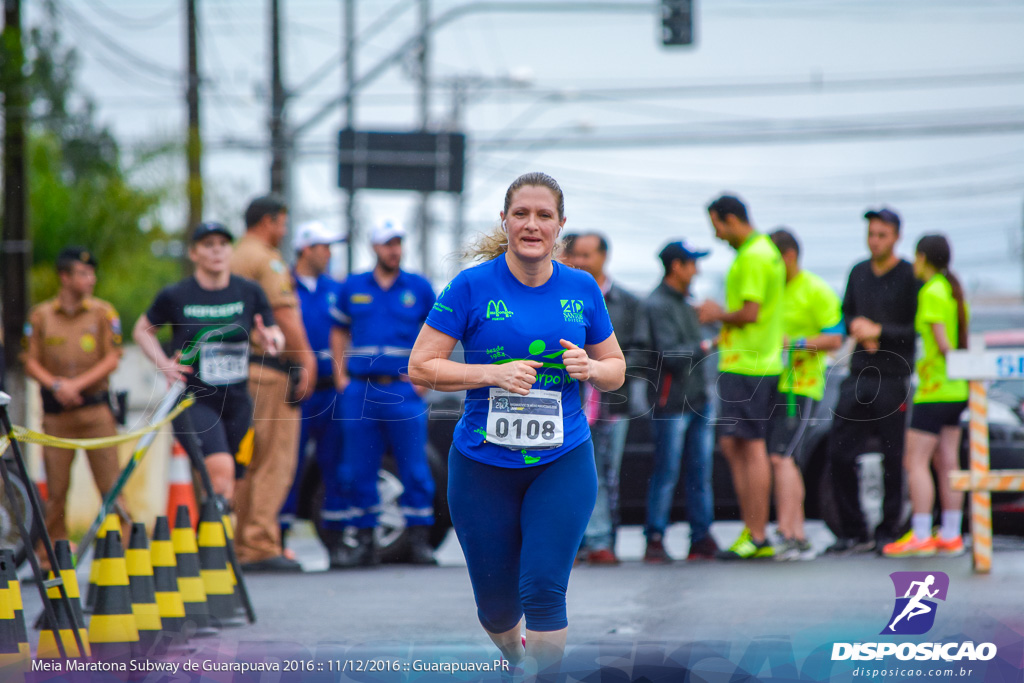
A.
pixel 810 308
pixel 758 275
pixel 935 304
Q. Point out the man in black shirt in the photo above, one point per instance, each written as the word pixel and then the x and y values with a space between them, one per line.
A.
pixel 879 309
pixel 212 316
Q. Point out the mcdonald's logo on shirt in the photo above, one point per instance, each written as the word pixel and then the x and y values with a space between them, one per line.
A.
pixel 497 310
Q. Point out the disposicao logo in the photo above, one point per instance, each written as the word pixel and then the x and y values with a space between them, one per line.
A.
pixel 916 593
pixel 913 615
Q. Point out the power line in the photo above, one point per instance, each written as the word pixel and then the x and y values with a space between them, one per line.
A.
pixel 137 23
pixel 102 38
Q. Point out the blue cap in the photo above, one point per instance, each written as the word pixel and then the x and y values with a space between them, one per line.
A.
pixel 211 228
pixel 681 250
pixel 886 215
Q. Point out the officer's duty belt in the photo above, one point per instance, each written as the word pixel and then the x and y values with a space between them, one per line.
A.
pixel 51 406
pixel 378 379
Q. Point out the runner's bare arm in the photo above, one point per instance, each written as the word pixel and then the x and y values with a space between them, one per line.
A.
pixel 144 334
pixel 429 366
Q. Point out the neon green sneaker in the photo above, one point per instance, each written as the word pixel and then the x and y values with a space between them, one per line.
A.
pixel 746 548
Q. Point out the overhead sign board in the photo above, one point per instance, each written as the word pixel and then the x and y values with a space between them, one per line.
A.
pixel 382 160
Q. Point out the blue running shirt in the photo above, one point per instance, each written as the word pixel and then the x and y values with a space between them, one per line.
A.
pixel 499 319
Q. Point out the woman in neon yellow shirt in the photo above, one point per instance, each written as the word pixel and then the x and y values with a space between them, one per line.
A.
pixel 934 434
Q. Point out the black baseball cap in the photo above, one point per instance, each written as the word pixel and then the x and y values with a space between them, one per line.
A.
pixel 886 215
pixel 211 228
pixel 72 254
pixel 682 250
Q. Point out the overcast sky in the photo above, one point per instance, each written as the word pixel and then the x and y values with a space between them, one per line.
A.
pixel 811 110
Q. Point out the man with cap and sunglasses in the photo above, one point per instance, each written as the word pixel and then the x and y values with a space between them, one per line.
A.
pixel 879 308
pixel 212 315
pixel 681 416
pixel 321 414
pixel 73 344
pixel 383 311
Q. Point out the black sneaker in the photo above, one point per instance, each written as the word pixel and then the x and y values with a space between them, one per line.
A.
pixel 279 565
pixel 848 546
pixel 704 549
pixel 420 550
pixel 655 552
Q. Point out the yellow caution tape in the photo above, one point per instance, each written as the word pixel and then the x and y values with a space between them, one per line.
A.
pixel 28 436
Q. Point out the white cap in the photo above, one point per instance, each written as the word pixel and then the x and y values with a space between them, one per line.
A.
pixel 386 230
pixel 315 232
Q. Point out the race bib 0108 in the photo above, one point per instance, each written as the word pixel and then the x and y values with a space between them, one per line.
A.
pixel 531 421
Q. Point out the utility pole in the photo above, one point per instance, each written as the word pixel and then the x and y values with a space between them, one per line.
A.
pixel 349 55
pixel 424 85
pixel 17 245
pixel 194 144
pixel 459 95
pixel 278 137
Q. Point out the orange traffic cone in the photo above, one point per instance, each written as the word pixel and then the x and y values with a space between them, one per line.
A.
pixel 180 491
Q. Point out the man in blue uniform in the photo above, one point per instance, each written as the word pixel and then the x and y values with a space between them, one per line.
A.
pixel 321 414
pixel 383 312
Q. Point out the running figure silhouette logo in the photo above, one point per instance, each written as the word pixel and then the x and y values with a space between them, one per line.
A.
pixel 916 593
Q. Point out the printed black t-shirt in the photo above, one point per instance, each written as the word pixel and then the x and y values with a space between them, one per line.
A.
pixel 211 329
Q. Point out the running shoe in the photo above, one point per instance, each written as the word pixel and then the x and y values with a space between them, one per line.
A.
pixel 746 548
pixel 655 552
pixel 911 546
pixel 704 549
pixel 602 556
pixel 795 549
pixel 949 548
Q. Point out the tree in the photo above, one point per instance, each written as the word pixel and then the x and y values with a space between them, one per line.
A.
pixel 80 192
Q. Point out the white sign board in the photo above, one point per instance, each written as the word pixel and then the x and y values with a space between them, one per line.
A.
pixel 986 364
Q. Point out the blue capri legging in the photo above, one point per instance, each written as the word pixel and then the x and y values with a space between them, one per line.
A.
pixel 520 530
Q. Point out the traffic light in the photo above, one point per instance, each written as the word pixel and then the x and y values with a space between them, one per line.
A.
pixel 676 22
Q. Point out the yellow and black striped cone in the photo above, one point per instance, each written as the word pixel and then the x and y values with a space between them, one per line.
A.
pixel 143 590
pixel 165 577
pixel 229 534
pixel 215 569
pixel 112 630
pixel 47 636
pixel 112 522
pixel 15 653
pixel 190 581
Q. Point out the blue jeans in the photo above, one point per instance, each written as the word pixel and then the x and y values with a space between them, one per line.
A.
pixel 690 434
pixel 609 437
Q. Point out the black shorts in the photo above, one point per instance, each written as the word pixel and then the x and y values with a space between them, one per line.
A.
pixel 785 431
pixel 217 424
pixel 746 404
pixel 932 417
